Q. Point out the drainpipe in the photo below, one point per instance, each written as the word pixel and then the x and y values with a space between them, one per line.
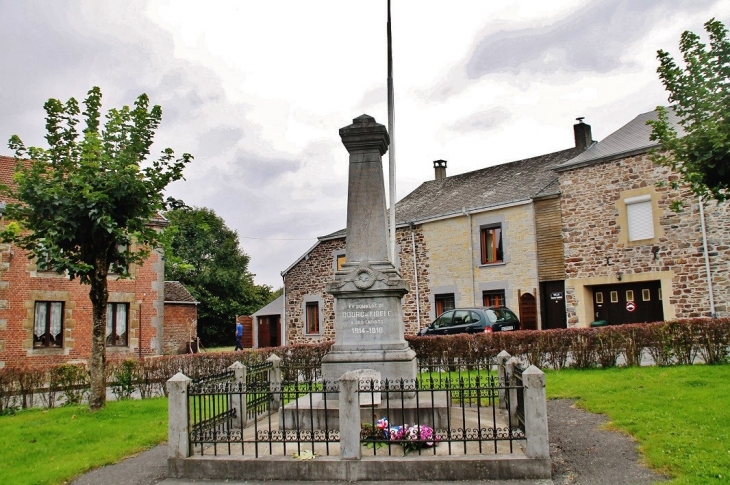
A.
pixel 415 276
pixel 707 258
pixel 282 325
pixel 140 329
pixel 471 254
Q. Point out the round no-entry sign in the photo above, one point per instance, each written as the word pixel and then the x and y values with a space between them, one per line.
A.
pixel 630 306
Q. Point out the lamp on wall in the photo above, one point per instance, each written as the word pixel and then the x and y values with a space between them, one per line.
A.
pixel 619 275
pixel 655 252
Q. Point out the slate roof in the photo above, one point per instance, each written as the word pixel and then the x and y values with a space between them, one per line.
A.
pixel 629 140
pixel 175 292
pixel 482 189
pixel 276 307
pixel 494 186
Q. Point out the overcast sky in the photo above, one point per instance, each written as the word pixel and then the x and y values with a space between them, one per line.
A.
pixel 257 90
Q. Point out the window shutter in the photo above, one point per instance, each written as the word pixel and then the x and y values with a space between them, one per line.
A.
pixel 640 218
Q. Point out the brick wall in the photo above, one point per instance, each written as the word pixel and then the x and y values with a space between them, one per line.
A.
pixel 594 229
pixel 180 327
pixel 21 285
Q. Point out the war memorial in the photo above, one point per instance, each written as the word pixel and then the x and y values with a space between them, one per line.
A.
pixel 371 414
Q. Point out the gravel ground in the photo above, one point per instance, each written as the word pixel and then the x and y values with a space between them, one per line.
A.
pixel 582 454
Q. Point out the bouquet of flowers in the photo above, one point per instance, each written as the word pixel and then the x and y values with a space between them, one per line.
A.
pixel 411 437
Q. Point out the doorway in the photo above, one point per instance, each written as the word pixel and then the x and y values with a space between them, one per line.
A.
pixel 628 302
pixel 269 335
pixel 552 297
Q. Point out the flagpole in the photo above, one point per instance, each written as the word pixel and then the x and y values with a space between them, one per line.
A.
pixel 391 132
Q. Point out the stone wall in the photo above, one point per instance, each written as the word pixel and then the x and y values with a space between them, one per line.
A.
pixel 22 284
pixel 452 258
pixel 597 249
pixel 307 280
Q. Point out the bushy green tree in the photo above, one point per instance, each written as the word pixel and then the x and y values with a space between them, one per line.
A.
pixel 699 93
pixel 204 255
pixel 84 204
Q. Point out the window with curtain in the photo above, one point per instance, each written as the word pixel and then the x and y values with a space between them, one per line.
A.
pixel 493 298
pixel 48 324
pixel 312 317
pixel 444 302
pixel 491 244
pixel 116 324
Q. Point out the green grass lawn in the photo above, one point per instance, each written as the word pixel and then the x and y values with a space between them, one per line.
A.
pixel 680 416
pixel 53 446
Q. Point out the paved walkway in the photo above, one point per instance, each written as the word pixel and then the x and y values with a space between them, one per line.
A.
pixel 582 453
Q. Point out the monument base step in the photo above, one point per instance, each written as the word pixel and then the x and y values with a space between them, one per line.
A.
pixel 314 412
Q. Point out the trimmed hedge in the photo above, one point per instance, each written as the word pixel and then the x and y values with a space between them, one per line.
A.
pixel 668 343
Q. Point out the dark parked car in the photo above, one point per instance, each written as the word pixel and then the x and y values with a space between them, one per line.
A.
pixel 473 320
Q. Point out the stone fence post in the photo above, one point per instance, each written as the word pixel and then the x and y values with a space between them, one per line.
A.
pixel 275 382
pixel 514 421
pixel 502 359
pixel 536 425
pixel 178 435
pixel 237 398
pixel 349 417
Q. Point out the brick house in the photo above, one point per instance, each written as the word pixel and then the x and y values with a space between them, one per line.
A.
pixel 45 318
pixel 487 237
pixel 181 320
pixel 628 256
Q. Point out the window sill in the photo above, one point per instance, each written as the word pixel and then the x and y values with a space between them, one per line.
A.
pixel 46 351
pixel 489 265
pixel 50 274
pixel 118 349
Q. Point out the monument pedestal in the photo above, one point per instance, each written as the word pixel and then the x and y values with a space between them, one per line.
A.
pixel 369 323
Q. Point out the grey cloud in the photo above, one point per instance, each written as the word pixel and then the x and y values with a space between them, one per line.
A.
pixel 481 121
pixel 592 38
pixel 259 171
pixel 218 140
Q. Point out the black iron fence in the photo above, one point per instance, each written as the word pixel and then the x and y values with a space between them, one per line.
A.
pixel 454 407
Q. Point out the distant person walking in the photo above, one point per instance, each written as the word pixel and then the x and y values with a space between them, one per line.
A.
pixel 239 336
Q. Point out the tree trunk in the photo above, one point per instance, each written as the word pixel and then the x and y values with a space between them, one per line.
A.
pixel 99 295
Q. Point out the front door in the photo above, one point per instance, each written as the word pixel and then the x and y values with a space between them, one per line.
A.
pixel 528 312
pixel 553 304
pixel 628 302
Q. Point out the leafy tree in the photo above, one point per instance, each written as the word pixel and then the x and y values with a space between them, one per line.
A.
pixel 84 203
pixel 204 255
pixel 700 96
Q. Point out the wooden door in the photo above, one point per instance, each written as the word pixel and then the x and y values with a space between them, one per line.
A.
pixel 553 304
pixel 528 311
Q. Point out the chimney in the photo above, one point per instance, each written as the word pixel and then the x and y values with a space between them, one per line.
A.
pixel 582 132
pixel 439 167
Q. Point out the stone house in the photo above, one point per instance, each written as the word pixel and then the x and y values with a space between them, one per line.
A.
pixel 487 237
pixel 45 318
pixel 628 256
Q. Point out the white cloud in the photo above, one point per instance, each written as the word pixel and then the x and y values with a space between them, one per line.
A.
pixel 258 90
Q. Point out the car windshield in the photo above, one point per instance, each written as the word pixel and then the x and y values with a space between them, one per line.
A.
pixel 500 315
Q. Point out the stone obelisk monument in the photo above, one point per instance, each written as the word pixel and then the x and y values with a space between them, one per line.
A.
pixel 368 290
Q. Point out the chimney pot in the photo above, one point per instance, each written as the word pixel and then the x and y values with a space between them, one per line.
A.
pixel 582 132
pixel 439 168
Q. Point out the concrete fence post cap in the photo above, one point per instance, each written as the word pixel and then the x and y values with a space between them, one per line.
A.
pixel 504 355
pixel 273 358
pixel 532 370
pixel 350 376
pixel 179 377
pixel 236 365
